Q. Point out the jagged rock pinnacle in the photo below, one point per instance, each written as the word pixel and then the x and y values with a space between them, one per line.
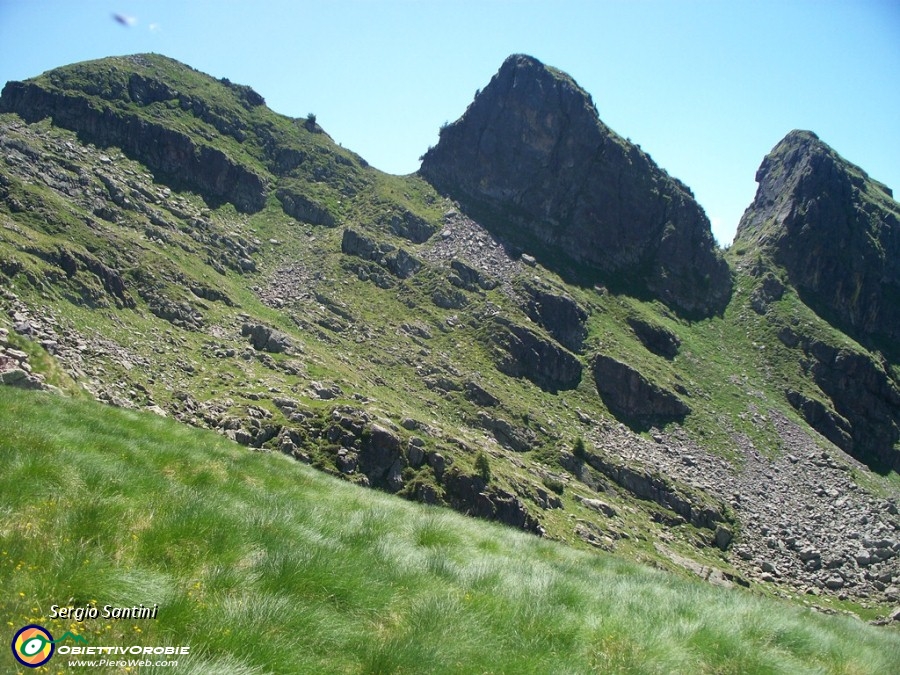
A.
pixel 834 230
pixel 531 157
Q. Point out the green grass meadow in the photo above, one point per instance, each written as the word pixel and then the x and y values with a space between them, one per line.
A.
pixel 263 565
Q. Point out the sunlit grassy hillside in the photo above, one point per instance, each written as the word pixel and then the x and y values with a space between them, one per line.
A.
pixel 263 565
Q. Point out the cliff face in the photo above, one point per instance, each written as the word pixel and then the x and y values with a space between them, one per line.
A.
pixel 531 155
pixel 835 231
pixel 833 234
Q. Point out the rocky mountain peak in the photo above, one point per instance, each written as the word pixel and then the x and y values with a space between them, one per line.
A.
pixel 532 159
pixel 834 230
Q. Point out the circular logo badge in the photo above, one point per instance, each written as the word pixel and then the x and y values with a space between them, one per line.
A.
pixel 33 646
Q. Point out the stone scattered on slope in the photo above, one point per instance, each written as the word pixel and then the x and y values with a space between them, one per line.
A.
pixel 787 504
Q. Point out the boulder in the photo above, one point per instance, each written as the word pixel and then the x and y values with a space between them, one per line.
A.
pixel 415 453
pixel 524 353
pixel 835 582
pixel 723 537
pixel 13 376
pixel 438 463
pixel 633 398
pixel 560 316
pixel 264 338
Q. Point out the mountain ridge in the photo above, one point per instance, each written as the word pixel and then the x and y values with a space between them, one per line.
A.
pixel 382 332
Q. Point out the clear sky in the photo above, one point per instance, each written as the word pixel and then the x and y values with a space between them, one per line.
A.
pixel 706 87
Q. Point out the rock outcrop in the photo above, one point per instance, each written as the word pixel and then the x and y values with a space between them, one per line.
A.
pixel 396 260
pixel 173 154
pixel 531 158
pixel 304 209
pixel 524 353
pixel 375 454
pixel 468 278
pixel 561 316
pixel 515 438
pixel 862 413
pixel 864 394
pixel 410 226
pixel 633 398
pixel 661 341
pixel 470 494
pixel 645 485
pixel 834 230
pixel 73 262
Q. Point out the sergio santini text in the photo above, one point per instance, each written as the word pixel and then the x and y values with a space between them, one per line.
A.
pixel 106 612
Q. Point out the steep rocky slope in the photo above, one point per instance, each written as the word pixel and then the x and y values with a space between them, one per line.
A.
pixel 168 242
pixel 821 226
pixel 531 155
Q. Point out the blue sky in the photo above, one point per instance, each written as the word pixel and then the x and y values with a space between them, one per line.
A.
pixel 707 88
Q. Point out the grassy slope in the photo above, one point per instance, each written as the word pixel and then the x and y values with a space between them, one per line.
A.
pixel 264 565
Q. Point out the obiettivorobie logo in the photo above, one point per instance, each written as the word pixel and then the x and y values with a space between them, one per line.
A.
pixel 33 645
